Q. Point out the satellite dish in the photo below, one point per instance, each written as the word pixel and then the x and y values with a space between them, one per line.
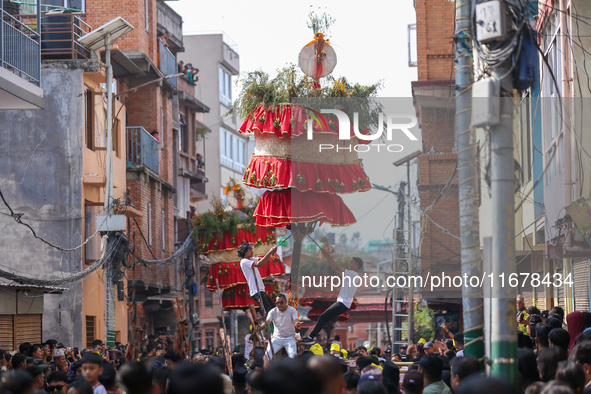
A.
pixel 308 60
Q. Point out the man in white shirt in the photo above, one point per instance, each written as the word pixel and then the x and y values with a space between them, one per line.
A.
pixel 285 320
pixel 249 266
pixel 345 298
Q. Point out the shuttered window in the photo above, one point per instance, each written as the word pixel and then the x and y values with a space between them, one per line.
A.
pixel 6 332
pixel 90 330
pixel 16 329
pixel 28 328
pixel 581 285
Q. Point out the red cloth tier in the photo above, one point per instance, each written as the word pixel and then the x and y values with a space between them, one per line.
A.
pixel 315 313
pixel 275 173
pixel 229 241
pixel 230 274
pixel 238 297
pixel 287 120
pixel 275 209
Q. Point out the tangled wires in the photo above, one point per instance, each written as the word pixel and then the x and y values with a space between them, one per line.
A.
pixel 495 54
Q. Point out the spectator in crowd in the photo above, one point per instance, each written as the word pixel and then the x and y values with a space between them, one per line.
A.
pixel 80 386
pixel 548 360
pixel 542 332
pixel 521 313
pixel 412 382
pixel 109 378
pixel 572 374
pixel 200 163
pixel 461 368
pixel 576 325
pixel 559 338
pixel 57 383
pixel 19 362
pixel 173 359
pixel 351 379
pixel 37 377
pixel 136 378
pixel 92 368
pixel 581 354
pixel 432 366
pixel 527 366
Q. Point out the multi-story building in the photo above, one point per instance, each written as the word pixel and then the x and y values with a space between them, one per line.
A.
pixel 141 62
pixel 437 183
pixel 564 108
pixel 224 152
pixel 54 172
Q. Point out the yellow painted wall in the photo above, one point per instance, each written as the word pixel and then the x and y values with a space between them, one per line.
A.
pixel 94 164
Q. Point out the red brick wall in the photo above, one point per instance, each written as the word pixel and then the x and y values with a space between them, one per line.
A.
pixel 435 29
pixel 435 52
pixel 100 12
pixel 142 193
pixel 144 109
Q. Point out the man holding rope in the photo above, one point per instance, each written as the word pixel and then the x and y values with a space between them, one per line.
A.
pixel 249 266
pixel 345 298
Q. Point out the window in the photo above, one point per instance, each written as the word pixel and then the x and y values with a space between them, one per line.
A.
pixel 525 122
pixel 147 11
pixel 115 132
pixel 162 128
pixel 225 80
pixel 198 339
pixel 90 330
pixel 232 150
pixel 92 250
pixel 239 164
pixel 89 117
pixel 163 230
pixel 183 143
pixel 208 298
pixel 150 224
pixel 209 339
pixel 552 96
pixel 74 5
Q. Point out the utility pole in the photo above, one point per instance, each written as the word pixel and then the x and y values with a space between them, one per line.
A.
pixel 471 262
pixel 411 306
pixel 190 270
pixel 503 331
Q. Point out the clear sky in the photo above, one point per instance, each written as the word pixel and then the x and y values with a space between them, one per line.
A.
pixel 370 39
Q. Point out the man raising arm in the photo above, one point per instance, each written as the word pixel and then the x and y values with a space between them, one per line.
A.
pixel 249 266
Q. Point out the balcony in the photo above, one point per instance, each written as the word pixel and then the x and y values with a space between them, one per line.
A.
pixel 168 20
pixel 20 64
pixel 60 32
pixel 167 62
pixel 142 148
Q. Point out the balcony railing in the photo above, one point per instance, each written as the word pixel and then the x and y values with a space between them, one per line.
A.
pixel 142 148
pixel 19 48
pixel 60 32
pixel 167 62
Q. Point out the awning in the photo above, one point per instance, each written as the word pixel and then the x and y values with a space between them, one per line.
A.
pixel 122 65
pixel 192 102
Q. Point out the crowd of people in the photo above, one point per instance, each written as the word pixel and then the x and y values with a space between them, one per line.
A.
pixel 554 357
